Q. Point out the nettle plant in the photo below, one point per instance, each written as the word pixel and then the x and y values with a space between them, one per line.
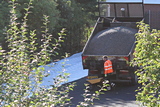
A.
pixel 147 57
pixel 22 66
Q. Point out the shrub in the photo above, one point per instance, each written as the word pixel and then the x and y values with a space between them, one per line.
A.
pixel 22 67
pixel 147 57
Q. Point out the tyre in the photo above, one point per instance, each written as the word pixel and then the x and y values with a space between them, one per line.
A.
pixel 134 80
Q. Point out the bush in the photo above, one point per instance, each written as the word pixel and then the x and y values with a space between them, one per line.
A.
pixel 147 58
pixel 22 67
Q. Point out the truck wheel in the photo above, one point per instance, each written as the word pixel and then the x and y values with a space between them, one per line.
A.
pixel 134 79
pixel 92 87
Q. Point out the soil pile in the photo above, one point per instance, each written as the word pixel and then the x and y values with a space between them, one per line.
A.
pixel 112 41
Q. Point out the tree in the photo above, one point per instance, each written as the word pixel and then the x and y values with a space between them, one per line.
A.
pixel 76 18
pixel 47 7
pixel 22 67
pixel 147 58
pixel 4 20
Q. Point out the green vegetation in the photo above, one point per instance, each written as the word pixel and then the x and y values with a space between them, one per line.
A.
pixel 22 66
pixel 76 17
pixel 147 58
pixel 31 44
pixel 72 15
pixel 20 75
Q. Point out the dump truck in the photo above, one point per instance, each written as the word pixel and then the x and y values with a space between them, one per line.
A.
pixel 113 36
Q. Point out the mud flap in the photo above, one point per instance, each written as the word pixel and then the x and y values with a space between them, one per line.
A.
pixel 95 80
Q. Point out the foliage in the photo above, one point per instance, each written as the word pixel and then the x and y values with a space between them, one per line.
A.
pixel 22 67
pixel 90 97
pixel 4 20
pixel 89 7
pixel 76 18
pixel 47 7
pixel 20 75
pixel 34 19
pixel 147 57
pixel 41 7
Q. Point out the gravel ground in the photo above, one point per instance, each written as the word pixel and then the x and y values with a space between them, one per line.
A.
pixel 112 41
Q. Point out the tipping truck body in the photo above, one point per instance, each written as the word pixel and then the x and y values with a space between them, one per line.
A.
pixel 113 36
